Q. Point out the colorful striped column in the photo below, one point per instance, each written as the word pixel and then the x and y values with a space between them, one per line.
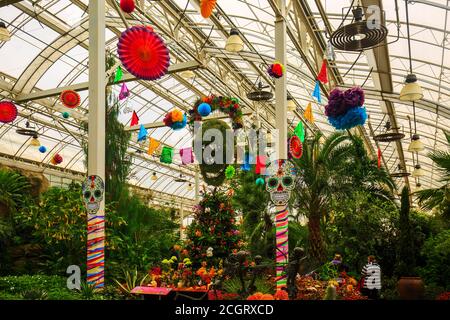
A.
pixel 282 245
pixel 96 251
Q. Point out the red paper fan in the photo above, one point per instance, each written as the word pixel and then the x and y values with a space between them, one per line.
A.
pixel 70 99
pixel 143 53
pixel 295 147
pixel 8 112
pixel 207 7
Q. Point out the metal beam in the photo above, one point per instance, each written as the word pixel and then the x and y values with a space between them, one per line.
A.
pixel 179 67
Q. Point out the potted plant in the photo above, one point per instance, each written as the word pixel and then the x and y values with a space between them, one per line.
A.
pixel 410 286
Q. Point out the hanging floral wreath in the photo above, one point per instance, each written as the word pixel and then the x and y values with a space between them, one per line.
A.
pixel 226 105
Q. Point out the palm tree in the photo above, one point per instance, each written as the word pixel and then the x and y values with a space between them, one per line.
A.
pixel 13 187
pixel 331 169
pixel 438 198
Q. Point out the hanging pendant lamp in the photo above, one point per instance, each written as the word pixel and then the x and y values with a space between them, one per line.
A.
pixel 411 91
pixel 418 171
pixel 4 33
pixel 291 107
pixel 416 145
pixel 234 42
pixel 34 142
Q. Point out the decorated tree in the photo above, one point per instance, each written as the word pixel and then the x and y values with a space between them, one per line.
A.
pixel 213 234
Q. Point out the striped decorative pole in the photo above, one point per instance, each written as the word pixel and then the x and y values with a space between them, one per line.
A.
pixel 96 251
pixel 93 190
pixel 282 245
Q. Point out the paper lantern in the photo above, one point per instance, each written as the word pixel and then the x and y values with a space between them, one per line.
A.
pixel 295 147
pixel 8 112
pixel 127 6
pixel 42 149
pixel 143 53
pixel 204 109
pixel 207 7
pixel 70 99
pixel 166 155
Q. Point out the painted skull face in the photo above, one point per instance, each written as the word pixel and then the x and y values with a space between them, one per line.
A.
pixel 280 182
pixel 93 189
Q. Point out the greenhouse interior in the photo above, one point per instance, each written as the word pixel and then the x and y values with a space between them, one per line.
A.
pixel 224 150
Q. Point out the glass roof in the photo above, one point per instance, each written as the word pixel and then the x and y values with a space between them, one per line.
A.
pixel 49 49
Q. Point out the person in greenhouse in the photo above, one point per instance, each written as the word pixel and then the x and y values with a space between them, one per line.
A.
pixel 371 277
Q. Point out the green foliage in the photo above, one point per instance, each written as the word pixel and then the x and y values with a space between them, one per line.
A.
pixel 438 199
pixel 252 201
pixel 130 280
pixel 406 255
pixel 58 223
pixel 13 189
pixel 360 226
pixel 34 294
pixel 333 170
pixel 436 252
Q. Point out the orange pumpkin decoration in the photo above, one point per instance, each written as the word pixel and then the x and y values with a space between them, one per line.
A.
pixel 207 7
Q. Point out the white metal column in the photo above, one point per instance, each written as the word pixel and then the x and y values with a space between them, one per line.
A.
pixel 281 84
pixel 96 142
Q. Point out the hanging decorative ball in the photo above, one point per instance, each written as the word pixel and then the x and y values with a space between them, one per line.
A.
pixel 42 149
pixel 204 109
pixel 127 6
pixel 8 112
pixel 276 70
pixel 70 99
pixel 65 115
pixel 143 53
pixel 230 171
pixel 207 7
pixel 260 182
pixel 57 159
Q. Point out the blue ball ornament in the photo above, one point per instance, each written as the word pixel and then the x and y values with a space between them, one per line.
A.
pixel 260 182
pixel 204 109
pixel 65 115
pixel 42 149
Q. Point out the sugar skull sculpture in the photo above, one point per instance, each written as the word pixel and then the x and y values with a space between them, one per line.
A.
pixel 93 190
pixel 280 181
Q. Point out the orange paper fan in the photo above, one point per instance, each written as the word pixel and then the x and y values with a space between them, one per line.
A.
pixel 207 7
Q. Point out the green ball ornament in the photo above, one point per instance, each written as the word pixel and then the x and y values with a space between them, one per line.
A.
pixel 65 115
pixel 230 171
pixel 260 182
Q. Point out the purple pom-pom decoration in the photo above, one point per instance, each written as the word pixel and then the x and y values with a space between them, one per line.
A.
pixel 354 97
pixel 336 105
